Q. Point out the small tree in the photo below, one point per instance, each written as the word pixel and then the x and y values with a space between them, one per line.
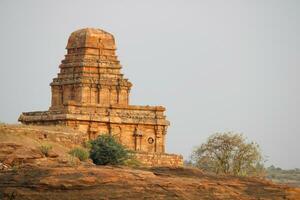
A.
pixel 229 153
pixel 106 150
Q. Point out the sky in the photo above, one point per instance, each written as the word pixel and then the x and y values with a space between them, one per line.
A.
pixel 216 65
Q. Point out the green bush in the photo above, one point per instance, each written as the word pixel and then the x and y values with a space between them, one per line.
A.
pixel 45 148
pixel 80 153
pixel 106 150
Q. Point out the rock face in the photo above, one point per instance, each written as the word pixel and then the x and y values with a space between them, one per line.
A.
pixel 14 154
pixel 90 94
pixel 22 144
pixel 82 182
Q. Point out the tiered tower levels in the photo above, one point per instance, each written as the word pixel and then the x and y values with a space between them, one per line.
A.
pixel 90 72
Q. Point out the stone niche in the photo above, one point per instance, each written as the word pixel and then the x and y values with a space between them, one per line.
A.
pixel 91 94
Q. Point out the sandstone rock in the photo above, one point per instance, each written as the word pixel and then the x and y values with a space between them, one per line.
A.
pixel 4 166
pixel 14 154
pixel 52 154
pixel 105 182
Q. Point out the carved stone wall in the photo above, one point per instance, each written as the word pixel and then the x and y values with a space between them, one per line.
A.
pixel 91 94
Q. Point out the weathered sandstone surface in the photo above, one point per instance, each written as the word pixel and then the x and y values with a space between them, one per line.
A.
pixel 26 174
pixel 123 183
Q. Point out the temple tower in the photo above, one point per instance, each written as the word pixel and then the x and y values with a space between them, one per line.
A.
pixel 90 72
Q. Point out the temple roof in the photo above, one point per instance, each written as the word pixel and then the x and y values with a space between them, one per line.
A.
pixel 91 38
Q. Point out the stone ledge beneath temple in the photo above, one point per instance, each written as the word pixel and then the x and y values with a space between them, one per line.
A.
pixel 159 159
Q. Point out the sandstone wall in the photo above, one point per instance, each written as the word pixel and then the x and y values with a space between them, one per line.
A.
pixel 141 137
pixel 140 128
pixel 159 159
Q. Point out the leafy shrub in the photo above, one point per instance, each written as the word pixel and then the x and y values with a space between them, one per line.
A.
pixel 80 153
pixel 106 150
pixel 45 148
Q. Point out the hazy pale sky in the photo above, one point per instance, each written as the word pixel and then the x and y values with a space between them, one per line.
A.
pixel 215 65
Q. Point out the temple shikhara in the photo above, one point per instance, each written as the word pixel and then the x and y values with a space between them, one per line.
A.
pixel 91 94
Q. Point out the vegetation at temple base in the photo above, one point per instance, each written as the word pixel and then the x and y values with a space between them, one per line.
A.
pixel 229 153
pixel 81 153
pixel 105 150
pixel 45 148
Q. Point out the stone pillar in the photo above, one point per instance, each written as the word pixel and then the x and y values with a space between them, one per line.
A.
pixel 78 93
pixel 123 97
pixel 127 96
pixel 94 95
pixel 159 139
pixel 104 96
pixel 66 93
pixel 113 96
pixel 56 96
pixel 85 95
pixel 137 140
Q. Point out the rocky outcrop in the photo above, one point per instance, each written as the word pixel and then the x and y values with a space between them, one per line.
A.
pixel 21 145
pixel 108 182
pixel 15 154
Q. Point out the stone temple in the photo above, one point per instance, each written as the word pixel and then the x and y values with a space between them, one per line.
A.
pixel 91 94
